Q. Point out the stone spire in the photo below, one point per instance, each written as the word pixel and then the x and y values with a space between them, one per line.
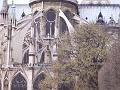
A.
pixel 13 18
pixel 100 19
pixel 4 7
pixel 4 12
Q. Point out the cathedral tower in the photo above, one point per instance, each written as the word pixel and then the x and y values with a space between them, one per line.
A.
pixel 49 14
pixel 32 47
pixel 4 12
pixel 51 18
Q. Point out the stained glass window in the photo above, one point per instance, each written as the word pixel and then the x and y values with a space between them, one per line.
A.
pixel 19 83
pixel 36 85
pixel 37 26
pixel 26 58
pixel 42 58
pixel 66 86
pixel 50 22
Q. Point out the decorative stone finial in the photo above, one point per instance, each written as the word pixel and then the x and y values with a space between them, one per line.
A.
pixel 5 7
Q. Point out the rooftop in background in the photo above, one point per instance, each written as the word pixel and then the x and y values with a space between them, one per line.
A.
pixel 107 5
pixel 73 1
pixel 96 2
pixel 91 11
pixel 20 8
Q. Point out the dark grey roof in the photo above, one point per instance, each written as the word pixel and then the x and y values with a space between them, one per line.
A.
pixel 20 8
pixel 72 1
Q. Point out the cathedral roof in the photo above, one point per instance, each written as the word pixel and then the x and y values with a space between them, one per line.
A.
pixel 95 2
pixel 71 1
pixel 74 1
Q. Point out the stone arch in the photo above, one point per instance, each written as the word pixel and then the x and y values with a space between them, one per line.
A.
pixel 50 22
pixel 19 82
pixel 66 86
pixel 63 25
pixel 68 14
pixel 6 81
pixel 36 83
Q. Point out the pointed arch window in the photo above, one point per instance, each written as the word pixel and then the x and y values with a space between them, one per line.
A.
pixel 36 85
pixel 50 22
pixel 63 25
pixel 42 58
pixel 66 86
pixel 26 58
pixel 19 83
pixel 37 27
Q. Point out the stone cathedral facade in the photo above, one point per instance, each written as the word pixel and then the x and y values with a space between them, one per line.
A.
pixel 28 46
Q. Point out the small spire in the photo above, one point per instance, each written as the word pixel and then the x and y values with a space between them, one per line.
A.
pixel 13 10
pixel 5 7
pixel 13 14
pixel 4 13
pixel 112 21
pixel 13 4
pixel 23 14
pixel 100 19
pixel 100 15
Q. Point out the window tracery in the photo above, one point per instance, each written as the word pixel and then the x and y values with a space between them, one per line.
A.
pixel 50 22
pixel 26 58
pixel 36 85
pixel 19 83
pixel 25 47
pixel 37 27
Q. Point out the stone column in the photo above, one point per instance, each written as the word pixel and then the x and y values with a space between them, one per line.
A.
pixel 31 49
pixel 30 80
